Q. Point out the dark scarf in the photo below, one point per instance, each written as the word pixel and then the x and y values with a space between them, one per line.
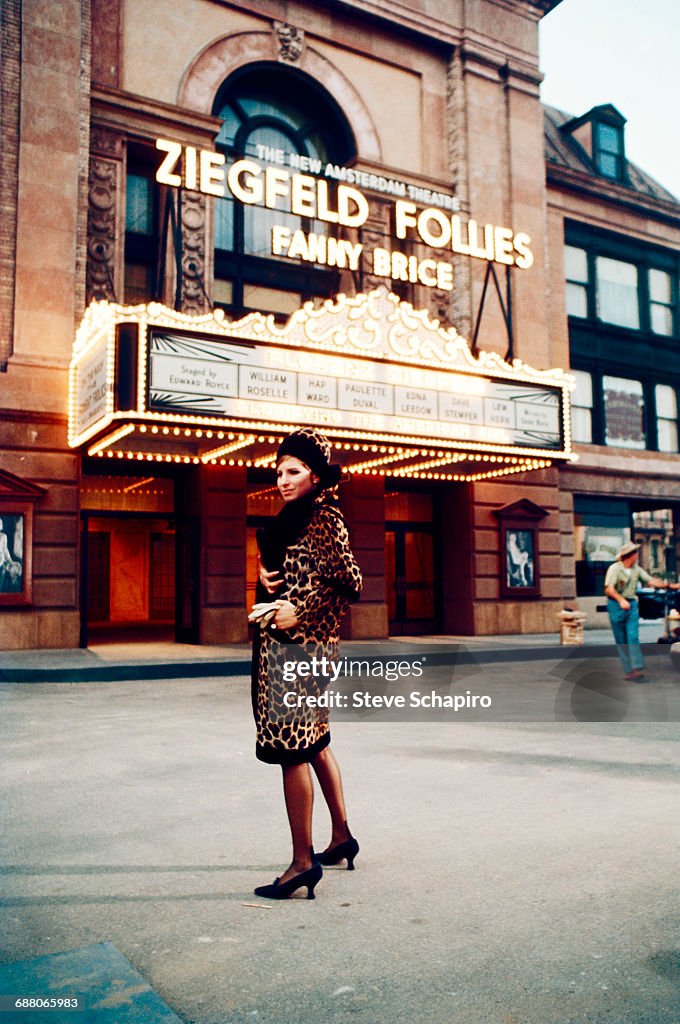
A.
pixel 291 522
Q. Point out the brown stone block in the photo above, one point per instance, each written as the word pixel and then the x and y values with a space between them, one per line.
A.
pixel 509 618
pixel 485 619
pixel 362 509
pixel 49 126
pixel 551 587
pixel 566 522
pixel 498 494
pixel 57 250
pixel 224 533
pixel 18 629
pixel 223 626
pixel 62 530
pixel 60 168
pixel 41 467
pixel 486 589
pixel 45 288
pixel 487 565
pixel 44 207
pixel 534 618
pixel 19 433
pixel 549 542
pixel 484 518
pixel 58 629
pixel 374 589
pixel 54 593
pixel 46 391
pixel 58 88
pixel 45 49
pixel 220 590
pixel 367 535
pixel 60 499
pixel 371 562
pixel 63 18
pixel 487 540
pixel 550 565
pixel 55 561
pixel 366 622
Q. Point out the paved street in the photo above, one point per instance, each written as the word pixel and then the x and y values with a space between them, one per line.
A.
pixel 514 872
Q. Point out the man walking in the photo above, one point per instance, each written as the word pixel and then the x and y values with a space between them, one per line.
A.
pixel 620 586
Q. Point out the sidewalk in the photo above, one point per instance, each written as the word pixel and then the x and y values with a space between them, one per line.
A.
pixel 510 871
pixel 130 661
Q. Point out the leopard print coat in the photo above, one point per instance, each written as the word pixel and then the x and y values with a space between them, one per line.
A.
pixel 321 579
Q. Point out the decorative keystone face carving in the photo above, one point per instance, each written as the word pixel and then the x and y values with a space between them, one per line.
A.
pixel 291 41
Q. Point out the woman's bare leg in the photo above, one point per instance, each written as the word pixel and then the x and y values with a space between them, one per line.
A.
pixel 328 773
pixel 298 791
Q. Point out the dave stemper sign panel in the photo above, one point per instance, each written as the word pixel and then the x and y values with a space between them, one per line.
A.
pixel 193 376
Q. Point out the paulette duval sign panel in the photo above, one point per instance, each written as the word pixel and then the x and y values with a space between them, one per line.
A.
pixel 335 197
pixel 369 370
pixel 251 382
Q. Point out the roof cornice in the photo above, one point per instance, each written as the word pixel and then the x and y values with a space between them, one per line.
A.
pixel 618 195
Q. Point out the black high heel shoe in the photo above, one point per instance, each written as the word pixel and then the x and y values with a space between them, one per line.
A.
pixel 343 851
pixel 284 890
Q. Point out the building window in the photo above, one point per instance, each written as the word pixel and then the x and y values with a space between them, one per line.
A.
pixel 617 292
pixel 666 418
pixel 576 273
pixel 141 228
pixel 582 407
pixel 624 412
pixel 661 302
pixel 274 115
pixel 609 150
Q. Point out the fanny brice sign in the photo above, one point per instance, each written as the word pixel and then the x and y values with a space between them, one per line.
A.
pixel 329 194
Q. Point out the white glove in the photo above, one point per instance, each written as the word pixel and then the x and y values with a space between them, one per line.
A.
pixel 263 613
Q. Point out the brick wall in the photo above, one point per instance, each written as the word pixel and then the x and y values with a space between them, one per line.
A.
pixel 10 100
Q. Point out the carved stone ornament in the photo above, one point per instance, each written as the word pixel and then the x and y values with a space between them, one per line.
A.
pixel 193 253
pixel 291 42
pixel 101 228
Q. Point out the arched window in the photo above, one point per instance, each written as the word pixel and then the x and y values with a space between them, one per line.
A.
pixel 268 109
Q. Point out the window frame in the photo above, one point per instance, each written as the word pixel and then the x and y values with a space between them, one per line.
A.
pixel 240 267
pixel 600 151
pixel 142 248
pixel 646 258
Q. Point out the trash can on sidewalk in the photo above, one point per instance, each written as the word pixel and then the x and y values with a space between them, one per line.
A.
pixel 571 626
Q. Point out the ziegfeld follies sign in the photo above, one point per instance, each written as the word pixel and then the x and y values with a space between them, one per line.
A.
pixel 367 370
pixel 329 195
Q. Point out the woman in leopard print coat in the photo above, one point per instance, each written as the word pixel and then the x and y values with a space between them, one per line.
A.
pixel 308 566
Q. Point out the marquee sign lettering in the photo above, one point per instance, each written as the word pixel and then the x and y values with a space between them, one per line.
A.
pixel 329 194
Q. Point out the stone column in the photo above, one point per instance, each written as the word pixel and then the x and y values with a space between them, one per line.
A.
pixel 105 217
pixel 363 503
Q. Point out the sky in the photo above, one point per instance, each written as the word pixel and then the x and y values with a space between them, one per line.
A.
pixel 624 52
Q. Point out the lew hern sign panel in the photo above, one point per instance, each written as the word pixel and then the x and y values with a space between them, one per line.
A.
pixel 196 376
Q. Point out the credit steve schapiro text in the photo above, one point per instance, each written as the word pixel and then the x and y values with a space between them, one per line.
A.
pixel 363 699
pixel 326 670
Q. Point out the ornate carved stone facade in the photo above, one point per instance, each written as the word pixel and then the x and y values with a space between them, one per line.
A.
pixel 375 233
pixel 103 277
pixel 457 302
pixel 194 223
pixel 290 41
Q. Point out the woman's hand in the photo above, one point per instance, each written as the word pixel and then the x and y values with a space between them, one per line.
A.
pixel 285 617
pixel 271 581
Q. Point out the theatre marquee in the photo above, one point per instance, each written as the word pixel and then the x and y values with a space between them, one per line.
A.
pixel 378 377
